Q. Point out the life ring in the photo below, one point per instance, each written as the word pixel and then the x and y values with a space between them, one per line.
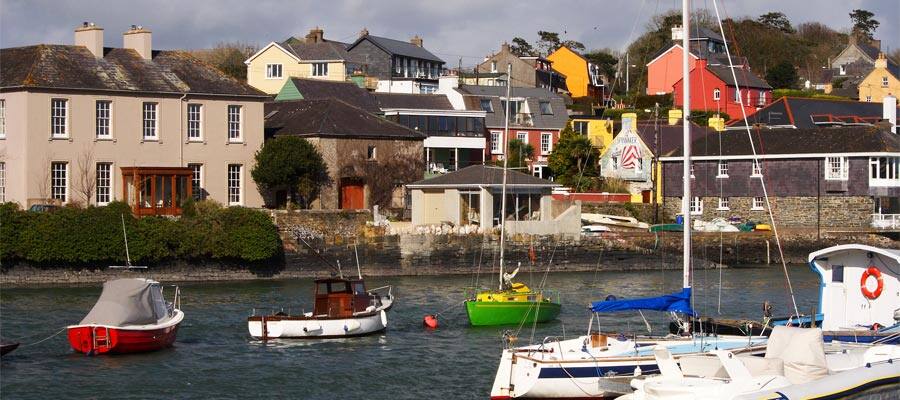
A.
pixel 871 271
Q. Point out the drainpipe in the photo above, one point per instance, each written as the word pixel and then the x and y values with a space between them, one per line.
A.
pixel 181 127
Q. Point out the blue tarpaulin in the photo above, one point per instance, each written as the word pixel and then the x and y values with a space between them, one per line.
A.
pixel 677 302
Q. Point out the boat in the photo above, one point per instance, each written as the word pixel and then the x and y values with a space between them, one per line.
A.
pixel 342 308
pixel 512 302
pixel 667 228
pixel 7 346
pixel 617 221
pixel 716 225
pixel 797 365
pixel 131 316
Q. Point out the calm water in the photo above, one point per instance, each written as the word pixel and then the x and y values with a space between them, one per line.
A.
pixel 215 358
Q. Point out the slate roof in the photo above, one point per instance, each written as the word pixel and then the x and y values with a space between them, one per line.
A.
pixel 845 139
pixel 804 112
pixel 745 77
pixel 53 66
pixel 413 101
pixel 472 96
pixel 349 92
pixel 484 175
pixel 331 118
pixel 325 50
pixel 398 47
pixel 670 136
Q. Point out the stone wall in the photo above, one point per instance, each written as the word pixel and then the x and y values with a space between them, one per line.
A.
pixel 806 212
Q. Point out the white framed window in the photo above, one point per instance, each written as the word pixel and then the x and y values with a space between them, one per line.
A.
pixel 868 99
pixel 2 182
pixel 884 81
pixel 762 97
pixel 234 123
pixel 493 66
pixel 759 204
pixel 195 122
pixel 59 181
pixel 737 95
pixel 487 106
pixel 273 71
pixel 837 168
pixel 546 143
pixel 320 69
pixel 884 171
pixel 522 136
pixel 696 206
pixel 723 204
pixel 545 108
pixel 59 118
pixel 235 172
pixel 150 121
pixel 2 118
pixel 495 142
pixel 723 169
pixel 580 127
pixel 717 94
pixel 692 171
pixel 756 171
pixel 104 183
pixel 103 116
pixel 196 181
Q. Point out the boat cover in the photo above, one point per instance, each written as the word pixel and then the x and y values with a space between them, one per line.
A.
pixel 676 302
pixel 132 301
pixel 802 350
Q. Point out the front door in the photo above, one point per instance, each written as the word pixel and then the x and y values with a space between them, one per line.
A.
pixel 352 195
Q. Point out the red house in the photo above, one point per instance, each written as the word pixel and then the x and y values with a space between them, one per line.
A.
pixel 713 89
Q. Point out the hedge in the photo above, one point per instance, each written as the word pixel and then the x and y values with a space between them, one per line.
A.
pixel 92 236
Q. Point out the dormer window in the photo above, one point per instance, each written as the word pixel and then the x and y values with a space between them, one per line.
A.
pixel 487 106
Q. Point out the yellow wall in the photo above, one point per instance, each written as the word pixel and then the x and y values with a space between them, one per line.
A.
pixel 574 68
pixel 256 71
pixel 872 86
pixel 600 132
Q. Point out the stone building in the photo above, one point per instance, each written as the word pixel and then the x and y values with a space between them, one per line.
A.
pixel 369 158
pixel 839 177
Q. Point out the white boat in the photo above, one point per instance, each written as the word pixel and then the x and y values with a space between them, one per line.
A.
pixel 716 225
pixel 342 308
pixel 614 220
pixel 797 365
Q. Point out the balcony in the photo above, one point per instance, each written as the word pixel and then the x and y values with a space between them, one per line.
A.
pixel 522 119
pixel 886 221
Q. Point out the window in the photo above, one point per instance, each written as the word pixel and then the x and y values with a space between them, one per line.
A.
pixel 273 71
pixel 837 273
pixel 59 172
pixel 103 115
pixel 884 171
pixel 2 118
pixel 493 66
pixel 234 123
pixel 150 121
pixel 884 81
pixel 495 142
pixel 196 180
pixel 234 184
pixel 692 171
pixel 581 127
pixel 837 168
pixel 868 99
pixel 59 111
pixel 717 94
pixel 757 169
pixel 545 108
pixel 737 95
pixel 522 136
pixel 723 204
pixel 696 206
pixel 320 69
pixel 723 169
pixel 194 122
pixel 104 182
pixel 545 142
pixel 759 203
pixel 487 106
pixel 371 152
pixel 762 98
pixel 2 182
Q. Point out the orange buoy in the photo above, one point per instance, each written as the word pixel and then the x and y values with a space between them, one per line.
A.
pixel 430 321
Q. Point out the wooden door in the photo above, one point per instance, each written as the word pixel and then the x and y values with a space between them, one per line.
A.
pixel 352 195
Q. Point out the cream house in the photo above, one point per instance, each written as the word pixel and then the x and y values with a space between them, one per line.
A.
pixel 91 124
pixel 882 81
pixel 311 57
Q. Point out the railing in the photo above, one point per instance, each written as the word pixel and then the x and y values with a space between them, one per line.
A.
pixel 886 221
pixel 521 119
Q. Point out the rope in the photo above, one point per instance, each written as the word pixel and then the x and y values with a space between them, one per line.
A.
pixel 45 339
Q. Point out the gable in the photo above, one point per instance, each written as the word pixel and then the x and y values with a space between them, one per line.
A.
pixel 289 92
pixel 668 52
pixel 273 47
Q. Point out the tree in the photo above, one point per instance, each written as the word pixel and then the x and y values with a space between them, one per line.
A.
pixel 863 23
pixel 605 59
pixel 520 153
pixel 385 176
pixel 521 47
pixel 782 76
pixel 574 161
pixel 86 175
pixel 286 162
pixel 776 20
pixel 548 42
pixel 228 58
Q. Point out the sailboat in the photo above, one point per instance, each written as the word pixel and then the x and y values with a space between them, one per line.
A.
pixel 512 302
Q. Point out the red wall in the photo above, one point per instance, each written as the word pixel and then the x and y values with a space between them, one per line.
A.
pixel 534 139
pixel 666 70
pixel 703 85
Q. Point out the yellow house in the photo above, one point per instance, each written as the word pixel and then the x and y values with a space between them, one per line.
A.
pixel 582 76
pixel 311 57
pixel 883 80
pixel 598 130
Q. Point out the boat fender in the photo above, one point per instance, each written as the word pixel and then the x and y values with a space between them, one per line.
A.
pixel 430 322
pixel 874 272
pixel 876 326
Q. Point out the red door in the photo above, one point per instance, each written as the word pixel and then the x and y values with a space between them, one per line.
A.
pixel 352 195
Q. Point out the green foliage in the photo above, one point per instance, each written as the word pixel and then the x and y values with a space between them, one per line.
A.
pixel 863 23
pixel 547 43
pixel 287 161
pixel 701 117
pixel 779 93
pixel 92 237
pixel 519 153
pixel 776 20
pixel 613 185
pixel 228 58
pixel 574 161
pixel 645 101
pixel 521 47
pixel 605 60
pixel 782 76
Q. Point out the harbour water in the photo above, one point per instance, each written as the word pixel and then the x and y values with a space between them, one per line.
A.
pixel 214 357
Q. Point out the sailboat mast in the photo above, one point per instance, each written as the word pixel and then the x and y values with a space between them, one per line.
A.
pixel 125 235
pixel 505 165
pixel 686 113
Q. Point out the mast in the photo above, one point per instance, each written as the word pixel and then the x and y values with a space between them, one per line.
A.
pixel 505 165
pixel 686 113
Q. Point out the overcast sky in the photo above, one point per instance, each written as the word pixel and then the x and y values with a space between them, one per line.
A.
pixel 451 28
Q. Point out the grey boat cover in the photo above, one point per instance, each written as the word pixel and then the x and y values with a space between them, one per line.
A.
pixel 132 301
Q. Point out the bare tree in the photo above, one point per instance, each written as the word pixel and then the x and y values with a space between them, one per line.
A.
pixel 385 177
pixel 41 179
pixel 86 175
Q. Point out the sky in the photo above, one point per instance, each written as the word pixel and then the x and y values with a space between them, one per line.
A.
pixel 452 29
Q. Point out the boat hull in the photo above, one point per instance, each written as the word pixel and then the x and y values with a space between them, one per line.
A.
pixel 490 313
pixel 293 327
pixel 101 339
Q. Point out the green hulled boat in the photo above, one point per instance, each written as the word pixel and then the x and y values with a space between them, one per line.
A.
pixel 519 304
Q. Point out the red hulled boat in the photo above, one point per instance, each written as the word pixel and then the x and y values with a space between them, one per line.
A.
pixel 131 316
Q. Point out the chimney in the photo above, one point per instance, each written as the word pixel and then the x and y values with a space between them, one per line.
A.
pixel 629 122
pixel 675 116
pixel 716 122
pixel 315 35
pixel 890 111
pixel 677 33
pixel 90 36
pixel 138 39
pixel 364 32
pixel 504 48
pixel 876 43
pixel 416 40
pixel 881 62
pixel 852 38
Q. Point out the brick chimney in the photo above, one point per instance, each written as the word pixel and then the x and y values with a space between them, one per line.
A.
pixel 881 62
pixel 139 39
pixel 364 32
pixel 416 40
pixel 315 35
pixel 504 48
pixel 90 36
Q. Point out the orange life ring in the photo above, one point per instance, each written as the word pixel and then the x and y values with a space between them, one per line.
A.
pixel 871 271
